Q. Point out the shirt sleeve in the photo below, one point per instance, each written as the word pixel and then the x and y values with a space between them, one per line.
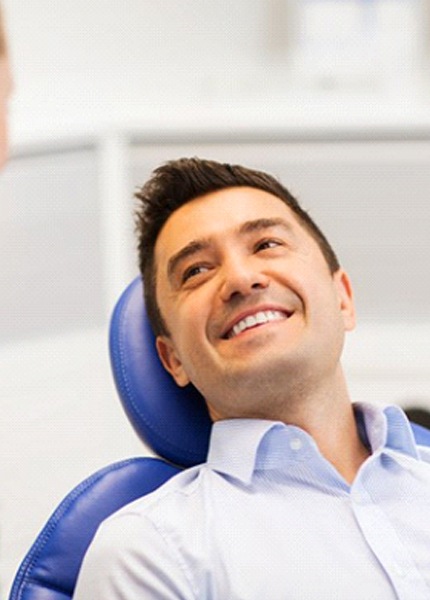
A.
pixel 129 559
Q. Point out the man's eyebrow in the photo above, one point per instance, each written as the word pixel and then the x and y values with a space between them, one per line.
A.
pixel 265 223
pixel 187 251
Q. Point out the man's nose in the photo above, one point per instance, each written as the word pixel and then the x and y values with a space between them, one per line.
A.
pixel 242 278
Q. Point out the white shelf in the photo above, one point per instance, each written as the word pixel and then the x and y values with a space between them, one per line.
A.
pixel 61 120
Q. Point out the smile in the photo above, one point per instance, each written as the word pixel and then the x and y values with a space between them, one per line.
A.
pixel 260 318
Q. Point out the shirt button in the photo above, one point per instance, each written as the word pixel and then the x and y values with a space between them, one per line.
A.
pixel 296 444
pixel 360 499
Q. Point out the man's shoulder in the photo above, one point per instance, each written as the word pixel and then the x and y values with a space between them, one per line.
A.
pixel 172 495
pixel 132 544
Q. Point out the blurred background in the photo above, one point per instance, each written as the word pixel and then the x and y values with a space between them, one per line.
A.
pixel 332 96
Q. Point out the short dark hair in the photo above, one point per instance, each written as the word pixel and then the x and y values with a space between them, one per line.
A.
pixel 179 181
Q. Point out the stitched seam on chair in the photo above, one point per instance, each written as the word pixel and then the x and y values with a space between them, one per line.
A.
pixel 118 351
pixel 124 317
pixel 64 507
pixel 37 584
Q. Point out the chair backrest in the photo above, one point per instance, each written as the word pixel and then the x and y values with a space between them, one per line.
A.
pixel 50 569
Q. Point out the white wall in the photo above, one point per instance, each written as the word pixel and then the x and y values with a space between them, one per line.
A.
pixel 158 49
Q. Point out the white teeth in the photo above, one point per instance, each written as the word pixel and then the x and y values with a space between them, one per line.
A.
pixel 257 319
pixel 250 321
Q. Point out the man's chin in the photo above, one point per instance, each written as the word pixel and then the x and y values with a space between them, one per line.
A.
pixel 248 373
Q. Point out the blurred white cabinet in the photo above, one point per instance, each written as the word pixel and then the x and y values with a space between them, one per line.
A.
pixel 50 244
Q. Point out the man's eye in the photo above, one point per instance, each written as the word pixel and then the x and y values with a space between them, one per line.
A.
pixel 270 243
pixel 193 271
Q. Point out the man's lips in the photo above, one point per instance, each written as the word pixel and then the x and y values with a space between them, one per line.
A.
pixel 254 318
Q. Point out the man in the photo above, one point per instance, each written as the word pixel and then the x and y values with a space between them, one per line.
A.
pixel 304 495
pixel 5 90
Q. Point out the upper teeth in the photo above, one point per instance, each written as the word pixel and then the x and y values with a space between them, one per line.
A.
pixel 264 316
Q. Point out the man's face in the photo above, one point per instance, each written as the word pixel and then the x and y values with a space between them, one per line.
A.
pixel 5 91
pixel 249 302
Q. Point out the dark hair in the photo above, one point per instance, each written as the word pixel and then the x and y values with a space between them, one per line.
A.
pixel 180 181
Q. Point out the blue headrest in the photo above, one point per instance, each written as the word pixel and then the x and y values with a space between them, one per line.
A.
pixel 174 421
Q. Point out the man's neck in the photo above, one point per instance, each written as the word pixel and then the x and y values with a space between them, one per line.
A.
pixel 328 416
pixel 340 443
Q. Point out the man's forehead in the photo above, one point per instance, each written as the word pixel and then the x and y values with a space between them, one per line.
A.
pixel 232 207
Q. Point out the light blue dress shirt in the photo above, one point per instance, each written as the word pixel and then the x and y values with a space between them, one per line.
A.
pixel 267 517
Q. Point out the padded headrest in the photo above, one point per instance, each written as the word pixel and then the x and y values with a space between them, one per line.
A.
pixel 174 421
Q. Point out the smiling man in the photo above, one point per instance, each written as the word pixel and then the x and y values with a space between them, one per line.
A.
pixel 254 317
pixel 304 494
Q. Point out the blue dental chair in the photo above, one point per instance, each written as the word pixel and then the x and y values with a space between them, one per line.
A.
pixel 172 420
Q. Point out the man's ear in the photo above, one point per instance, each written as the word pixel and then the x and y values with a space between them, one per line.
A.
pixel 170 360
pixel 346 298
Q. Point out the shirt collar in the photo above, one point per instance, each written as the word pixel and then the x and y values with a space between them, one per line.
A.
pixel 234 444
pixel 387 428
pixel 239 446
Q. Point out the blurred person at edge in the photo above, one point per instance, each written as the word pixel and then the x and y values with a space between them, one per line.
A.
pixel 5 90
